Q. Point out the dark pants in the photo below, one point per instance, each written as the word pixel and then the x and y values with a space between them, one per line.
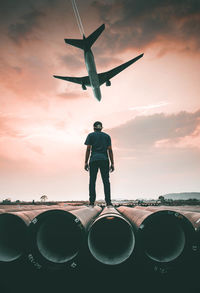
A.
pixel 103 165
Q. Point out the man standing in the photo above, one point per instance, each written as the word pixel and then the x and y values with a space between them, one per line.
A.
pixel 99 149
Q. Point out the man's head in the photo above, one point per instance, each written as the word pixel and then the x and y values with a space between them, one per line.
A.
pixel 97 126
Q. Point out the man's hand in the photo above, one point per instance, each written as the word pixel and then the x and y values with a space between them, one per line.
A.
pixel 87 154
pixel 110 152
pixel 112 168
pixel 86 167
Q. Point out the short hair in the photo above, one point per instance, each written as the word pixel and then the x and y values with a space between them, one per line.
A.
pixel 97 125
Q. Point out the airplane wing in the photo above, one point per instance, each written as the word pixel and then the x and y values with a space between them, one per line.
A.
pixel 80 80
pixel 105 76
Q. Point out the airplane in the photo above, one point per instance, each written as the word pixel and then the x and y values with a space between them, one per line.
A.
pixel 94 79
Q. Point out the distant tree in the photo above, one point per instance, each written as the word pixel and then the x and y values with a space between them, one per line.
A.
pixel 17 201
pixel 161 198
pixel 6 201
pixel 43 198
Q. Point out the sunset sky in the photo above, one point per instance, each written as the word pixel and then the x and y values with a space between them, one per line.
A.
pixel 151 111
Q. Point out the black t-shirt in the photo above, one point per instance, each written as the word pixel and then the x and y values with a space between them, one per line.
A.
pixel 100 141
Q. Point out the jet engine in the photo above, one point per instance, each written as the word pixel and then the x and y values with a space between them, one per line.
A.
pixel 108 83
pixel 83 87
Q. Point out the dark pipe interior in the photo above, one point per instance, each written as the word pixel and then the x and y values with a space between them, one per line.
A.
pixel 111 240
pixel 13 236
pixel 163 238
pixel 59 238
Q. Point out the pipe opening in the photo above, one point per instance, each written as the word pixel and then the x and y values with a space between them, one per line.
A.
pixel 163 238
pixel 111 240
pixel 13 237
pixel 59 238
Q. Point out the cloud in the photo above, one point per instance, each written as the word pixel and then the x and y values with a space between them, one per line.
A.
pixel 145 131
pixel 24 127
pixel 27 75
pixel 188 141
pixel 141 23
pixel 106 62
pixel 7 127
pixel 22 29
pixel 149 107
pixel 73 62
pixel 129 24
pixel 73 95
pixel 7 165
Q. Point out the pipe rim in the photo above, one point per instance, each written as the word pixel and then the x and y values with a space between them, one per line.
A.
pixel 176 226
pixel 104 254
pixel 56 251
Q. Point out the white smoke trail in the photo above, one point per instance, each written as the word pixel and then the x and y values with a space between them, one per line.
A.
pixel 78 18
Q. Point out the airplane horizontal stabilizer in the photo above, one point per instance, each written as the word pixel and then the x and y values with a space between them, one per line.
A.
pixel 76 43
pixel 80 80
pixel 86 43
pixel 105 76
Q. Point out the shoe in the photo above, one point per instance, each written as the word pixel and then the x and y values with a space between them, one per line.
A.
pixel 91 205
pixel 109 204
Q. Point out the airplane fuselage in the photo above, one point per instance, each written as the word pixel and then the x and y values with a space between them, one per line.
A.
pixel 92 73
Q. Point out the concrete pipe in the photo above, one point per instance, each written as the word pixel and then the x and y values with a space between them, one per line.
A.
pixel 111 238
pixel 13 233
pixel 164 235
pixel 193 217
pixel 57 236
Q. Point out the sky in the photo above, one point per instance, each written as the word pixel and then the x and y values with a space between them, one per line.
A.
pixel 151 110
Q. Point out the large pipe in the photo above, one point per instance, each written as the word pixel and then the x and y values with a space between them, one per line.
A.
pixel 164 235
pixel 111 238
pixel 193 217
pixel 13 232
pixel 57 236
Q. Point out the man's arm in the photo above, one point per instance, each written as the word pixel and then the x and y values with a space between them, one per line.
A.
pixel 87 155
pixel 110 153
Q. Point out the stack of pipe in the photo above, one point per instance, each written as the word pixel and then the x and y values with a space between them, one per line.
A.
pixel 54 237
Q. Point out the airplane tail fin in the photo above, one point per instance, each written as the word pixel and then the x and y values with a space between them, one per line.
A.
pixel 86 43
pixel 94 36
